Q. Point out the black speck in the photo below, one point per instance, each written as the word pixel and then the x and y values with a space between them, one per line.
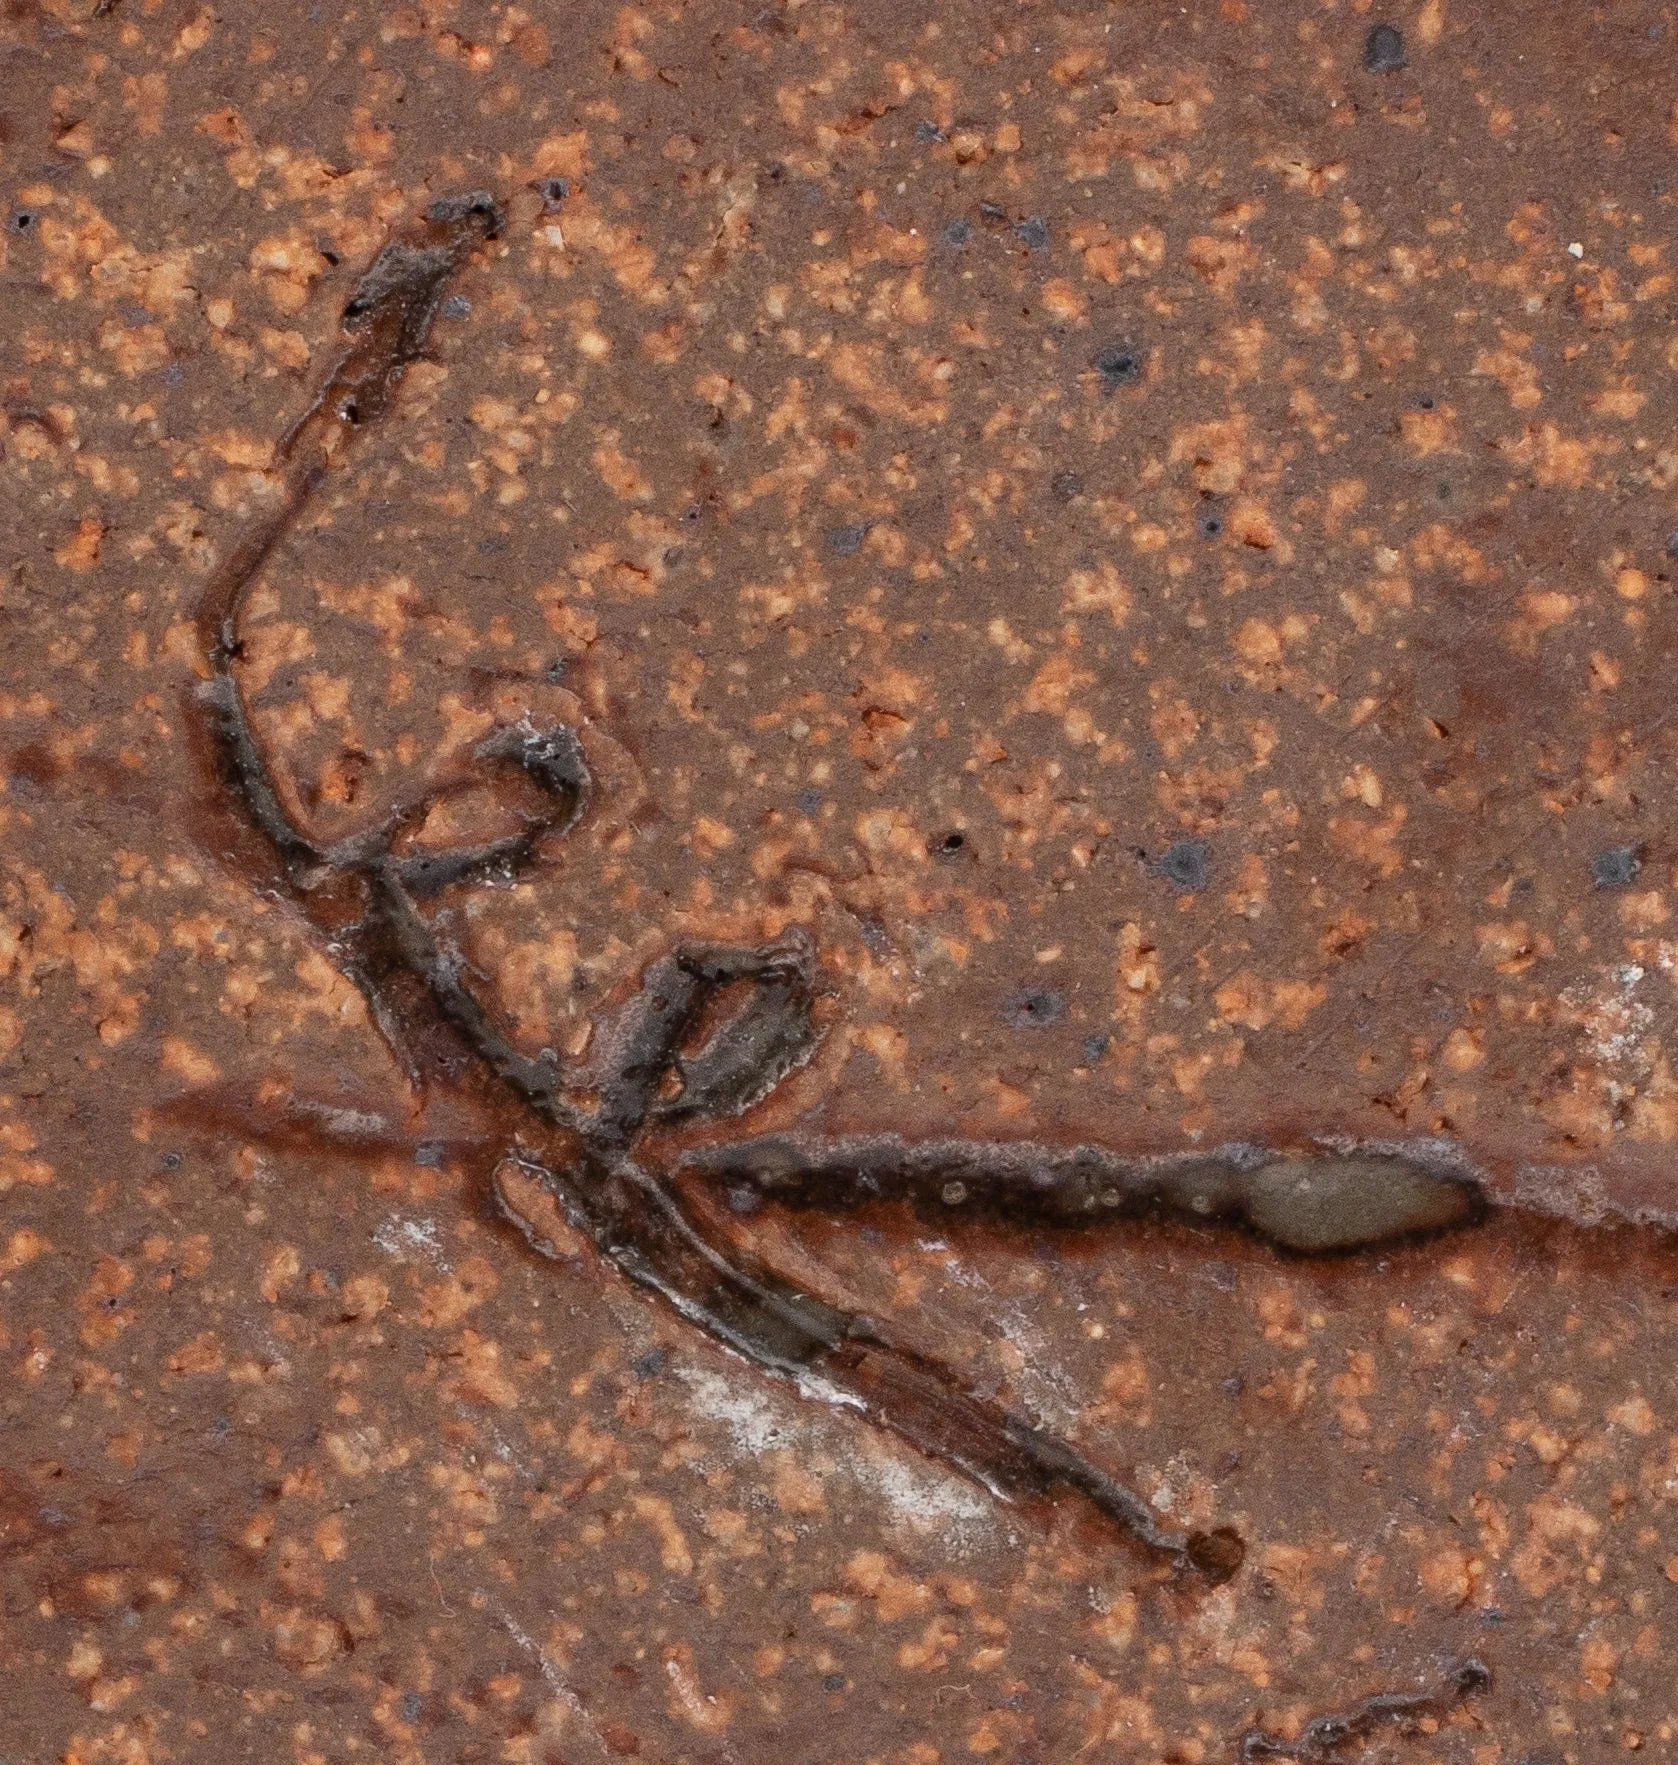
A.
pixel 1470 1676
pixel 1119 364
pixel 1033 1008
pixel 21 220
pixel 1183 865
pixel 412 1704
pixel 846 540
pixel 958 232
pixel 430 1154
pixel 457 306
pixel 652 1363
pixel 171 1161
pixel 1616 868
pixel 926 133
pixel 1066 485
pixel 1425 402
pixel 833 1682
pixel 948 845
pixel 1383 50
pixel 1095 1046
pixel 1033 233
pixel 553 191
pixel 1209 524
pixel 809 801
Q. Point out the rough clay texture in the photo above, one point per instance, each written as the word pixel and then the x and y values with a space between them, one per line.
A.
pixel 1220 475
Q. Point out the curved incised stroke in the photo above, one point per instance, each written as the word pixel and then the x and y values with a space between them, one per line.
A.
pixel 1321 1740
pixel 709 1032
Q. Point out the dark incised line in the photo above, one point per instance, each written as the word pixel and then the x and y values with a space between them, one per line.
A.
pixel 580 1131
pixel 1322 1738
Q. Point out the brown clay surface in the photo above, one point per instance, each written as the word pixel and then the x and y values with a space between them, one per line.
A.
pixel 1226 485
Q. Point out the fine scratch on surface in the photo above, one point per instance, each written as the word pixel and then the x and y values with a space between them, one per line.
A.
pixel 556 1683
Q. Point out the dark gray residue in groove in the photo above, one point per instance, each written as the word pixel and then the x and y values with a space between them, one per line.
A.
pixel 1322 1740
pixel 1310 1203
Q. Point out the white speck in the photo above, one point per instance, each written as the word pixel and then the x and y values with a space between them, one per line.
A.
pixel 404 1238
pixel 1614 1020
pixel 1575 249
pixel 553 235
pixel 926 1497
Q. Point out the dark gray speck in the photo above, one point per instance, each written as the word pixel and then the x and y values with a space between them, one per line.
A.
pixel 1119 364
pixel 412 1704
pixel 928 132
pixel 1065 485
pixel 1183 865
pixel 1033 1008
pixel 958 232
pixel 1095 1046
pixel 457 306
pixel 809 801
pixel 1616 868
pixel 1383 50
pixel 846 540
pixel 652 1363
pixel 430 1154
pixel 1033 233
